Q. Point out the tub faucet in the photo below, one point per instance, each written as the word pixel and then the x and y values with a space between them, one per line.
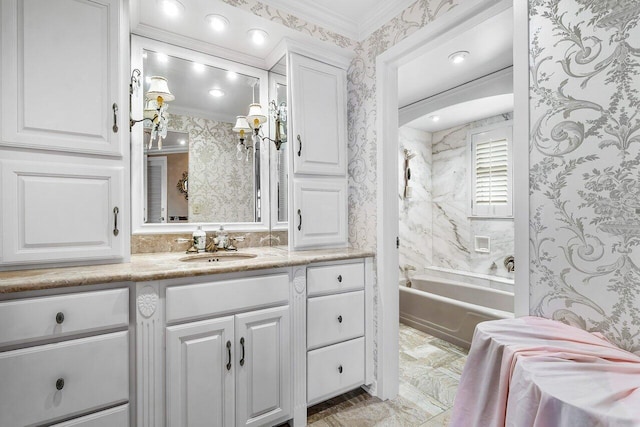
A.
pixel 509 264
pixel 406 269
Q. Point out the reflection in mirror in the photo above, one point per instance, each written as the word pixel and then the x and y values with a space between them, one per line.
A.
pixel 221 170
pixel 166 174
pixel 278 126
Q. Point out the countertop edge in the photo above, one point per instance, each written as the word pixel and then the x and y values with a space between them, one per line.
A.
pixel 135 271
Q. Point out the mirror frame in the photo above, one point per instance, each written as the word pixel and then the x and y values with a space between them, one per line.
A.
pixel 138 226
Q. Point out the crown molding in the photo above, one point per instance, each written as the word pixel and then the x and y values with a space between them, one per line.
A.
pixel 356 29
pixel 317 14
pixel 376 18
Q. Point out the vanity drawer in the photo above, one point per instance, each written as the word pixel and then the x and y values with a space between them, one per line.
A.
pixel 118 416
pixel 335 369
pixel 334 318
pixel 95 374
pixel 187 302
pixel 63 315
pixel 335 278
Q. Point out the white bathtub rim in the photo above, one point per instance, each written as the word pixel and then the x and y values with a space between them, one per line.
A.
pixel 425 277
pixel 487 277
pixel 501 314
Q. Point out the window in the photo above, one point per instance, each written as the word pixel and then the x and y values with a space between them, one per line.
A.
pixel 491 171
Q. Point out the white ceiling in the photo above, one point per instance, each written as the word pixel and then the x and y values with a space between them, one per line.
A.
pixel 465 112
pixel 490 47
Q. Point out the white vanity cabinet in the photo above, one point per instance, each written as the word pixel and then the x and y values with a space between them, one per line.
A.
pixel 63 357
pixel 227 359
pixel 339 337
pixel 317 153
pixel 61 68
pixel 64 157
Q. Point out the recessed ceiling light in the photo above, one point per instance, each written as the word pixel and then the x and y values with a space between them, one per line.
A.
pixel 231 75
pixel 171 8
pixel 198 67
pixel 217 22
pixel 217 93
pixel 182 142
pixel 458 57
pixel 434 118
pixel 161 57
pixel 258 36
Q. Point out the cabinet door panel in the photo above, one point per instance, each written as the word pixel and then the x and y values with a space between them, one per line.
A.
pixel 200 388
pixel 263 377
pixel 318 112
pixel 320 213
pixel 62 75
pixel 61 212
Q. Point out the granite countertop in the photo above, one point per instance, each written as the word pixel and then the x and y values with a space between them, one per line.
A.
pixel 159 266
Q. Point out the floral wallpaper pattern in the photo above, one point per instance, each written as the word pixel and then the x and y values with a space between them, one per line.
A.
pixel 585 165
pixel 220 185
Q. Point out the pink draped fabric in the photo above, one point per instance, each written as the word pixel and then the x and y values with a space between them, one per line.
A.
pixel 538 372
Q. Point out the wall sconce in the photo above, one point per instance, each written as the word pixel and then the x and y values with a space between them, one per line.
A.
pixel 242 127
pixel 256 119
pixel 155 106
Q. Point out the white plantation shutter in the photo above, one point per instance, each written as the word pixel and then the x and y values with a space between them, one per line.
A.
pixel 491 172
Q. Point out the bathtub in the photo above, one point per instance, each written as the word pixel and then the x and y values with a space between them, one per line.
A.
pixel 451 309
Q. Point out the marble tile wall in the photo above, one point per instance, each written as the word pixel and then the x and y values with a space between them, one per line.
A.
pixel 453 230
pixel 156 243
pixel 415 211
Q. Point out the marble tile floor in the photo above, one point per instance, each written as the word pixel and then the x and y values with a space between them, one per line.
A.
pixel 430 370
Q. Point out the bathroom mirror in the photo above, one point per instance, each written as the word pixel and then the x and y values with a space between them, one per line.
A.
pixel 202 171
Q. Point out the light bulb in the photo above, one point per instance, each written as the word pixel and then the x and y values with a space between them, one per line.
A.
pixel 216 93
pixel 258 36
pixel 171 8
pixel 458 57
pixel 217 23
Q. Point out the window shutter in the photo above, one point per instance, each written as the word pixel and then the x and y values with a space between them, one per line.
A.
pixel 491 173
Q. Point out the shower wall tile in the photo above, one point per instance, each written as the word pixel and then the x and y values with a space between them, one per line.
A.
pixel 415 212
pixel 453 230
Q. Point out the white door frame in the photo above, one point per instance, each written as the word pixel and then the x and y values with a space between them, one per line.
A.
pixel 459 19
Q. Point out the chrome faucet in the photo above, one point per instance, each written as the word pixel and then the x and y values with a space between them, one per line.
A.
pixel 407 277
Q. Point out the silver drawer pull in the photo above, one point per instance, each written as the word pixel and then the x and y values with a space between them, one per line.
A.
pixel 339 319
pixel 229 350
pixel 115 118
pixel 299 146
pixel 242 344
pixel 59 318
pixel 340 369
pixel 300 219
pixel 116 211
pixel 60 384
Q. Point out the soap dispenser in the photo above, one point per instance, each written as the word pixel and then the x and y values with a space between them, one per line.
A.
pixel 199 239
pixel 222 238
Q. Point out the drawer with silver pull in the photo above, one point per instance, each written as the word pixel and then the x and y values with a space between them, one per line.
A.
pixel 59 380
pixel 334 369
pixel 63 315
pixel 334 318
pixel 335 278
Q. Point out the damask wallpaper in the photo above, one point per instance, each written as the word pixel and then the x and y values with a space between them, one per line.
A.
pixel 585 165
pixel 220 185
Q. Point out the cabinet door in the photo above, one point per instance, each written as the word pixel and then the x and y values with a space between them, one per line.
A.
pixel 200 374
pixel 61 212
pixel 318 117
pixel 320 213
pixel 61 75
pixel 263 380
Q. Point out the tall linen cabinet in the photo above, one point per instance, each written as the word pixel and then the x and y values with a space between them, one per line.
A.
pixel 64 156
